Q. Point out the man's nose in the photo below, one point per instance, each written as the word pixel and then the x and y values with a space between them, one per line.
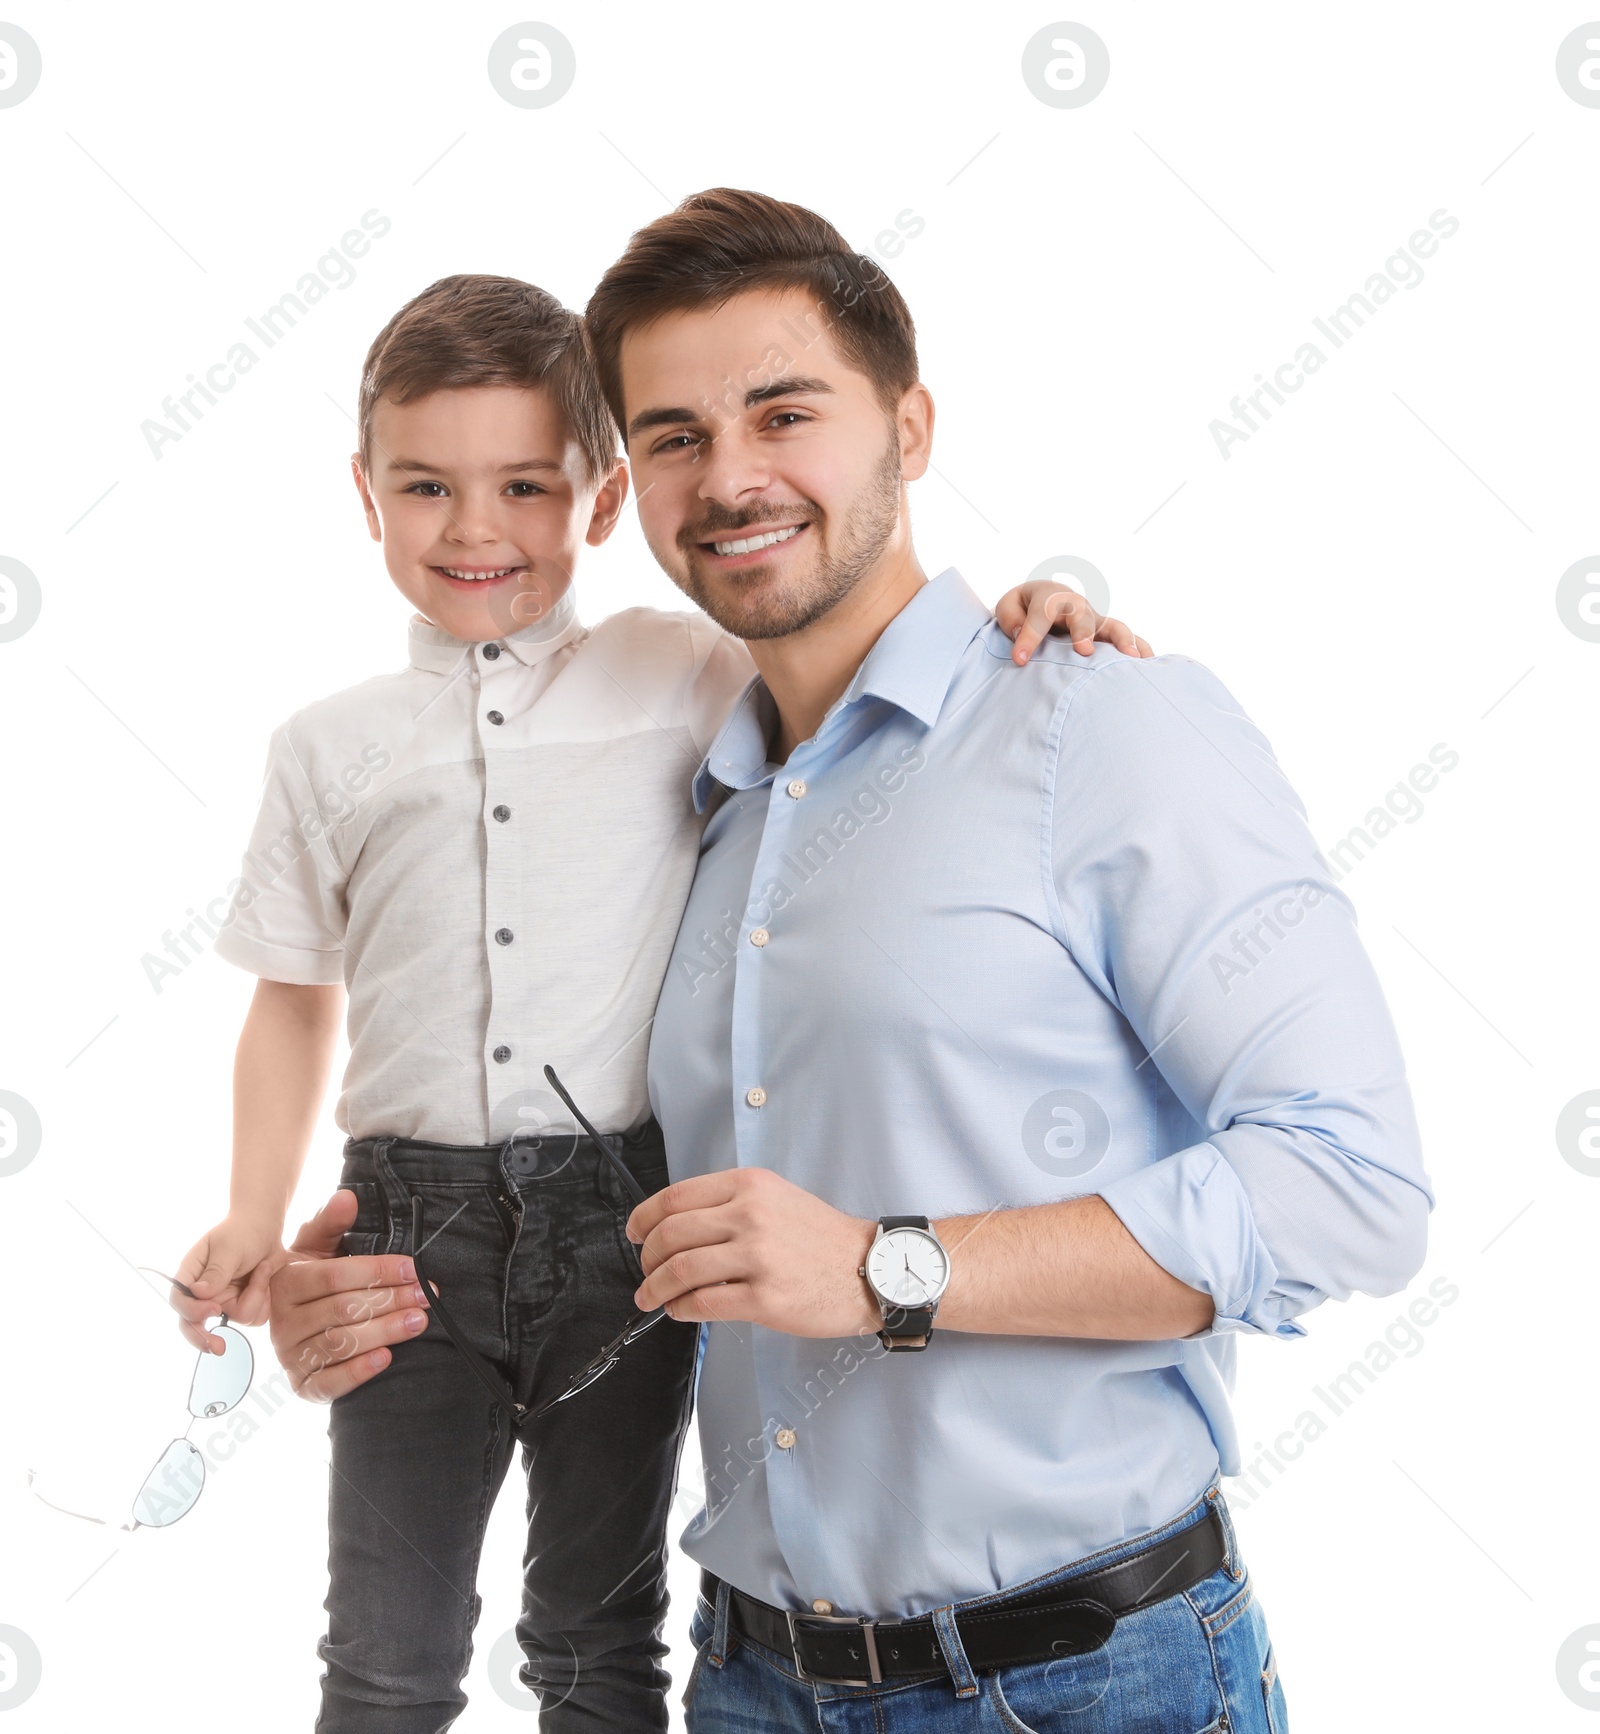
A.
pixel 731 469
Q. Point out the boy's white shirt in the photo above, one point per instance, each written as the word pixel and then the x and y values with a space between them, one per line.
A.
pixel 377 860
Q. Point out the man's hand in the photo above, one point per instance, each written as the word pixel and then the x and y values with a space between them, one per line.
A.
pixel 746 1244
pixel 333 1317
pixel 1031 611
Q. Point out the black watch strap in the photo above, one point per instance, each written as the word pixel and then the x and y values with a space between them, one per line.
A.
pixel 906 1328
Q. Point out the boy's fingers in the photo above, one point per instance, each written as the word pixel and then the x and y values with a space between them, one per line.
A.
pixel 202 1339
pixel 1144 649
pixel 1009 615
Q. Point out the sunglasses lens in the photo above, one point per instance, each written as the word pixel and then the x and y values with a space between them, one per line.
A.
pixel 172 1487
pixel 220 1381
pixel 638 1330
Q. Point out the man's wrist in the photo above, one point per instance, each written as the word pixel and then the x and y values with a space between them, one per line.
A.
pixel 871 1319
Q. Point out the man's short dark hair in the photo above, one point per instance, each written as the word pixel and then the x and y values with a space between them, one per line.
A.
pixel 724 242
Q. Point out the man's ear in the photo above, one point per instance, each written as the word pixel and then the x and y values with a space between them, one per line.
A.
pixel 374 528
pixel 914 423
pixel 608 504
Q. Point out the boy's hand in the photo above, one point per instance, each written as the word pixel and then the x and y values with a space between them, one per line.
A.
pixel 1042 606
pixel 226 1271
pixel 333 1316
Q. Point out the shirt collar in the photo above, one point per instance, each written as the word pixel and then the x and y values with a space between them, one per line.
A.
pixel 911 666
pixel 435 650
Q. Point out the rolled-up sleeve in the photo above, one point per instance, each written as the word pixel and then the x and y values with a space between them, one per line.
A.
pixel 1187 885
pixel 287 918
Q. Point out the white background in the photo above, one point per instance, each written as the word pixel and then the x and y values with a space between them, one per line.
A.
pixel 1372 573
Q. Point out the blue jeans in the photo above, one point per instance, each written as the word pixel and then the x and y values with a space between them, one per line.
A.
pixel 1196 1663
pixel 527 1247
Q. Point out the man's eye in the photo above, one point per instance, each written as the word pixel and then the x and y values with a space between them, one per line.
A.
pixel 675 443
pixel 420 490
pixel 786 418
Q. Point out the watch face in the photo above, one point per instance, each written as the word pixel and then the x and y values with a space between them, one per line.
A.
pixel 908 1268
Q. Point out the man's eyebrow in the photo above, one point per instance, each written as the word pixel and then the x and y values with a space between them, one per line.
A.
pixel 791 385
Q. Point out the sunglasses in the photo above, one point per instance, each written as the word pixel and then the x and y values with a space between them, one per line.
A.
pixel 172 1487
pixel 604 1359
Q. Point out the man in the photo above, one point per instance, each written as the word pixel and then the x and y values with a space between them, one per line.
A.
pixel 1046 961
pixel 1014 1019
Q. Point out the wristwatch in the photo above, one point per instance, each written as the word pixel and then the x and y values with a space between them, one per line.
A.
pixel 907 1270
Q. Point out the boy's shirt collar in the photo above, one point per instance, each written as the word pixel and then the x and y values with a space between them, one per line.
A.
pixel 435 650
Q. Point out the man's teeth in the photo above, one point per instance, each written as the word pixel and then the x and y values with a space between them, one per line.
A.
pixel 477 577
pixel 751 543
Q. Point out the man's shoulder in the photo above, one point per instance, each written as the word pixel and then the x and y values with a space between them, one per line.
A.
pixel 1105 681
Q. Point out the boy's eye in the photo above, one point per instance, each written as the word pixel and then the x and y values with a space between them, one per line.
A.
pixel 420 489
pixel 524 490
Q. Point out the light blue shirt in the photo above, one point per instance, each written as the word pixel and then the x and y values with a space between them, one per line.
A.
pixel 998 936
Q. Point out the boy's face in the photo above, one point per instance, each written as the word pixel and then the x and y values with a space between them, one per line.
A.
pixel 744 423
pixel 481 499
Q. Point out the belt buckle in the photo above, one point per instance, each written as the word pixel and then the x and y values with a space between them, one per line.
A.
pixel 868 1629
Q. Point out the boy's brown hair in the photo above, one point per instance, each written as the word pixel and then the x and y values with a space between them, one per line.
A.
pixel 471 330
pixel 719 244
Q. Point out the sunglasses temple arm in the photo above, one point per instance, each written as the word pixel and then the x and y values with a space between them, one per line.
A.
pixel 486 1377
pixel 634 1190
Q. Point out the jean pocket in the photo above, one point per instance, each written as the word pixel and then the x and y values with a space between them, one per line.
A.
pixel 1272 1695
pixel 700 1634
pixel 370 1232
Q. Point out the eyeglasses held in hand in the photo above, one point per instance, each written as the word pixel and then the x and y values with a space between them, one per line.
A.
pixel 172 1487
pixel 605 1359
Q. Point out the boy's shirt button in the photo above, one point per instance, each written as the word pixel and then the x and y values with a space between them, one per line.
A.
pixel 503 936
pixel 502 814
pixel 502 1054
pixel 496 718
pixel 491 651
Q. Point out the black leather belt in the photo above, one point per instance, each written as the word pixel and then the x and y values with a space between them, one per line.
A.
pixel 1064 1619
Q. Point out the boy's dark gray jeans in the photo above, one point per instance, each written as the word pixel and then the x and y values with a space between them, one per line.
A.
pixel 526 1244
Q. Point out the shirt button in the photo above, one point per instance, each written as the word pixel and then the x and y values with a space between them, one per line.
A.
pixel 491 651
pixel 496 718
pixel 756 1097
pixel 502 814
pixel 503 936
pixel 796 789
pixel 822 1606
pixel 784 1438
pixel 759 936
pixel 502 1054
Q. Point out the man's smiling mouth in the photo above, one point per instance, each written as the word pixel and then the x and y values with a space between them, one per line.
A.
pixel 754 544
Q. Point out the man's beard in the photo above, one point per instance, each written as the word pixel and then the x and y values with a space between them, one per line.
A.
pixel 773 612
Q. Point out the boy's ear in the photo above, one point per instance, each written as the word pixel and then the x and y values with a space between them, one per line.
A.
pixel 608 504
pixel 374 528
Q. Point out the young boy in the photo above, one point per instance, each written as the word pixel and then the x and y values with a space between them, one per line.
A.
pixel 490 853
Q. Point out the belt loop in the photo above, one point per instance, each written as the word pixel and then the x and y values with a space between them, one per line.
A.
pixel 717 1654
pixel 1233 1564
pixel 396 1200
pixel 955 1654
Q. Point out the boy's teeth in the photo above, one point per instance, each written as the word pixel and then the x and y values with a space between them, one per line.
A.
pixel 751 543
pixel 451 572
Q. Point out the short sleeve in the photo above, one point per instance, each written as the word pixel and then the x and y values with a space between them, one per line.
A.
pixel 286 921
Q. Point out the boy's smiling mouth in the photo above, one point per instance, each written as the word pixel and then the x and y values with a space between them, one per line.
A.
pixel 472 577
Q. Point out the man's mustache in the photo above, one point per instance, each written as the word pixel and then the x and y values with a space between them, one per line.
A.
pixel 720 526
